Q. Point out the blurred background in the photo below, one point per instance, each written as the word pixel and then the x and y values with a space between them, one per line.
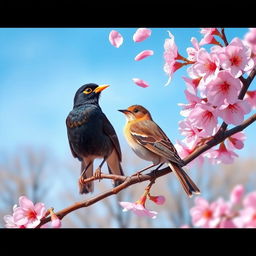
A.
pixel 40 71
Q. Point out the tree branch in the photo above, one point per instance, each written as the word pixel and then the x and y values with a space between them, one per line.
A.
pixel 131 180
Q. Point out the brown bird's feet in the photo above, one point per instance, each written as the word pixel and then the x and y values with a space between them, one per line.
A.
pixel 97 174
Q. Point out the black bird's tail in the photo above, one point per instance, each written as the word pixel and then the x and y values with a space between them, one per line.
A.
pixel 188 185
pixel 86 173
pixel 114 166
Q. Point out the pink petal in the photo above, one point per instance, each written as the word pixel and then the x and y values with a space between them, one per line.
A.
pixel 144 54
pixel 40 209
pixel 141 34
pixel 236 194
pixel 140 82
pixel 25 203
pixel 115 38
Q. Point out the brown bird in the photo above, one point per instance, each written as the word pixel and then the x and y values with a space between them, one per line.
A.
pixel 150 143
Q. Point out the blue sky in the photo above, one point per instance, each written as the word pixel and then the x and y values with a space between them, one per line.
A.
pixel 41 69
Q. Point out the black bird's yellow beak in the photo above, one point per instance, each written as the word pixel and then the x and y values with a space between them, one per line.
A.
pixel 101 88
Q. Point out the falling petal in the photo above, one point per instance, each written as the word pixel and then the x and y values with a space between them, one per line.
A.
pixel 115 38
pixel 141 34
pixel 144 54
pixel 140 82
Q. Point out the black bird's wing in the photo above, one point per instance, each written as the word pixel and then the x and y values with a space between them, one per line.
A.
pixel 110 132
pixel 115 158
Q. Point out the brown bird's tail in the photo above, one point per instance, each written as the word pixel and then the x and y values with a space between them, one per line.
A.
pixel 188 185
pixel 114 167
pixel 89 186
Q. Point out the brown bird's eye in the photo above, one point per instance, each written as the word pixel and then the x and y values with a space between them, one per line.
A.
pixel 87 90
pixel 135 110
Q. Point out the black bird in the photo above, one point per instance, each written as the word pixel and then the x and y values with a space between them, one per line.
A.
pixel 92 136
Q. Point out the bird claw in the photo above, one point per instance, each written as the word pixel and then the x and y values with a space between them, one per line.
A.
pixel 81 180
pixel 138 175
pixel 97 174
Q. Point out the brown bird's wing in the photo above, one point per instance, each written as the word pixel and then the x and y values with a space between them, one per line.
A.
pixel 150 135
pixel 115 157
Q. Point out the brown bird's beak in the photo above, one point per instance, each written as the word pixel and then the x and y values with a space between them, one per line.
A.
pixel 125 111
pixel 101 88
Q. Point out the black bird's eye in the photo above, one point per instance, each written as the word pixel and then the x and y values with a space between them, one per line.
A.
pixel 135 110
pixel 87 90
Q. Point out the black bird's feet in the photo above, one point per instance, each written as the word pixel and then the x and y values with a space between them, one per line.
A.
pixel 97 174
pixel 81 181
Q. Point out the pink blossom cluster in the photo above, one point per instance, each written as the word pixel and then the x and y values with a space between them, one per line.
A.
pixel 29 215
pixel 212 91
pixel 237 212
pixel 141 34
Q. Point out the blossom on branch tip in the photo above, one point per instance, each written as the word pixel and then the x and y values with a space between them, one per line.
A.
pixel 138 208
pixel 115 38
pixel 141 34
pixel 26 215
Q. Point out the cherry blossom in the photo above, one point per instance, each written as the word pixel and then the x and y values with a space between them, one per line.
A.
pixel 250 97
pixel 221 155
pixel 192 51
pixel 184 149
pixel 27 213
pixel 141 34
pixel 236 141
pixel 157 199
pixel 250 36
pixel 250 41
pixel 209 36
pixel 247 215
pixel 236 58
pixel 138 209
pixel 187 108
pixel 223 87
pixel 236 194
pixel 208 215
pixel 234 113
pixel 170 56
pixel 115 38
pixel 144 54
pixel 192 84
pixel 203 116
pixel 207 65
